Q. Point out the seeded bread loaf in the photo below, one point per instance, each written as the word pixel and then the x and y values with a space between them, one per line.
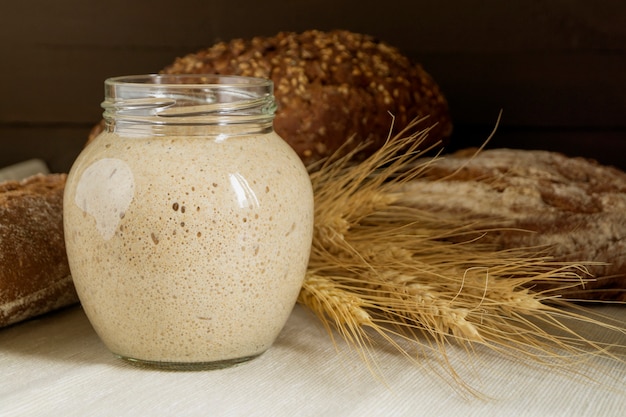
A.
pixel 573 206
pixel 34 272
pixel 330 86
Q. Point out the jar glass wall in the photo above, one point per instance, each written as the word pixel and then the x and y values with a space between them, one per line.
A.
pixel 188 221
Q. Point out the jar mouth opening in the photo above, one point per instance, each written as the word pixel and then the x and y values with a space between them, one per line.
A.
pixel 191 81
pixel 188 99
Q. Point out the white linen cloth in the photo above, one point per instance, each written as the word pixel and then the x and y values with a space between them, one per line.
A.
pixel 56 366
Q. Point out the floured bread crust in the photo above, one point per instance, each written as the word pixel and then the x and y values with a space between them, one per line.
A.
pixel 573 206
pixel 34 272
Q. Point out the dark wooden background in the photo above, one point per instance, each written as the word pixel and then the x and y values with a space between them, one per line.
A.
pixel 556 67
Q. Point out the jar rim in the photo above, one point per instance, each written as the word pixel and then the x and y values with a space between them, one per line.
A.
pixel 134 102
pixel 191 81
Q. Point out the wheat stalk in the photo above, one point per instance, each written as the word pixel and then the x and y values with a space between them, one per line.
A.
pixel 381 267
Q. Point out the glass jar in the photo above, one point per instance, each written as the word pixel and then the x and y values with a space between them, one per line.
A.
pixel 188 221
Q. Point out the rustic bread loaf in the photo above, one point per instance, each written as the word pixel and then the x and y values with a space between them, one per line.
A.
pixel 34 272
pixel 574 206
pixel 330 86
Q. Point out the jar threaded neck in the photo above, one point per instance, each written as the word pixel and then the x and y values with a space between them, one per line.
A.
pixel 142 102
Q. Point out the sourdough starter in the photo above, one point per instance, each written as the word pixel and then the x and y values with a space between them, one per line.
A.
pixel 188 250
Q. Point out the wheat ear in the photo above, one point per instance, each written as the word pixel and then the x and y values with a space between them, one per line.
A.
pixel 381 267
